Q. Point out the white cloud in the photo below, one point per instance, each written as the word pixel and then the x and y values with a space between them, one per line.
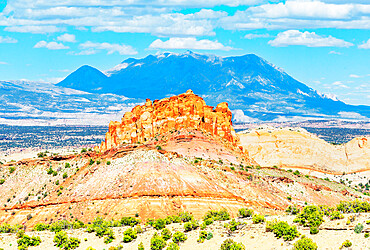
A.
pixel 42 29
pixel 300 14
pixel 253 36
pixel 122 49
pixel 188 43
pixel 239 116
pixel 335 52
pixel 365 45
pixel 50 45
pixel 3 63
pixel 6 39
pixel 70 38
pixel 354 76
pixel 309 39
pixel 340 84
pixel 85 52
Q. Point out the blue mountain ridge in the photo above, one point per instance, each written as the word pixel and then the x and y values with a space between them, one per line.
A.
pixel 253 87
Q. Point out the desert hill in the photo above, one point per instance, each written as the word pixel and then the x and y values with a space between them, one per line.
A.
pixel 287 147
pixel 166 156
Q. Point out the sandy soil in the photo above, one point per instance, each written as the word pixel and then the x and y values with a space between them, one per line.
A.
pixel 252 236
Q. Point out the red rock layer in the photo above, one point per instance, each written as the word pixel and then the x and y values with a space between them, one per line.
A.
pixel 169 114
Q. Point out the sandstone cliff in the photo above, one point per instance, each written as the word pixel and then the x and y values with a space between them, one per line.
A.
pixel 185 111
pixel 298 148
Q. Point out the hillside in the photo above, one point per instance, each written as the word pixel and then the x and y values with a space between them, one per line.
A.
pixel 194 164
pixel 254 88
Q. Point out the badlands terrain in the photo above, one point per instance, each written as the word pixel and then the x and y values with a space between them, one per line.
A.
pixel 180 155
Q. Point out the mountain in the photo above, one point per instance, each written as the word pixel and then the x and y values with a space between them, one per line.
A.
pixel 85 78
pixel 254 88
pixel 35 103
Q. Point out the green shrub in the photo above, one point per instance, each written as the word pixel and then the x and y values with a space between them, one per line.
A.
pixel 65 175
pixel 129 235
pixel 61 240
pixel 166 234
pixel 258 218
pixel 202 236
pixel 11 169
pixel 229 244
pixel 173 246
pixel 140 246
pixel 358 228
pixel 366 235
pixel 26 241
pixel 91 162
pixel 159 224
pixel 355 206
pixel 208 221
pixel 185 216
pixel 178 237
pixel 138 229
pixel 305 244
pixel 310 217
pixel 84 150
pixel 191 225
pixel 232 225
pixel 245 212
pixel 2 181
pixel 67 165
pixel 314 230
pixel 157 242
pixel 7 228
pixel 40 227
pixel 108 162
pixel 209 235
pixel 109 236
pixel 297 173
pixel 347 243
pixel 292 210
pixel 282 229
pixel 129 221
pixel 221 215
pixel 336 215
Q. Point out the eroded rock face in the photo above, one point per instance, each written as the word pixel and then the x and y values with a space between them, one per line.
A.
pixel 185 111
pixel 289 148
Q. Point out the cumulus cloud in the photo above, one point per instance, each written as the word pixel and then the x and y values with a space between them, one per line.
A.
pixel 365 45
pixel 309 39
pixel 122 49
pixel 300 14
pixel 50 45
pixel 6 39
pixel 188 43
pixel 253 36
pixel 162 18
pixel 70 38
pixel 41 29
pixel 3 63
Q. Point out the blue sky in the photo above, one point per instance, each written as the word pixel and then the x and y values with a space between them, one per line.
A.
pixel 325 44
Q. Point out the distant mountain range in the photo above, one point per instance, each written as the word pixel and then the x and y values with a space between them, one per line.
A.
pixel 255 89
pixel 35 103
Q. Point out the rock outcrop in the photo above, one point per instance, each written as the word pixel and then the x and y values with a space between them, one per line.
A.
pixel 298 148
pixel 185 111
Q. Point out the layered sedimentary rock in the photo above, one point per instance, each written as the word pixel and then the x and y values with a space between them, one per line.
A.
pixel 298 148
pixel 185 111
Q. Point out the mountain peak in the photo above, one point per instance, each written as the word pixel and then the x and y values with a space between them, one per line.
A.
pixel 248 83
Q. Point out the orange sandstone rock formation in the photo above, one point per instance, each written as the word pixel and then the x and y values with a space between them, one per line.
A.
pixel 185 111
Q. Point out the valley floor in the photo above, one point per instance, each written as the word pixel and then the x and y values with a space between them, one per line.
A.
pixel 254 236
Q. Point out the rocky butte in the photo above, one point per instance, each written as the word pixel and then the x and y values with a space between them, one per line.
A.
pixel 185 111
